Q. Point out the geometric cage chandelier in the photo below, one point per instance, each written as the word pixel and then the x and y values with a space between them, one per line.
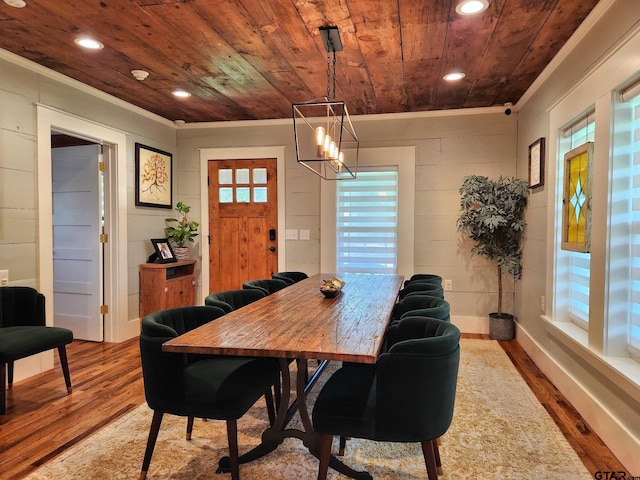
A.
pixel 326 142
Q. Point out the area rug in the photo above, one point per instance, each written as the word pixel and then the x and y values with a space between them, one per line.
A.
pixel 499 430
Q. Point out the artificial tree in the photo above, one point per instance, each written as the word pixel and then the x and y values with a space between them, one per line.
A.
pixel 493 218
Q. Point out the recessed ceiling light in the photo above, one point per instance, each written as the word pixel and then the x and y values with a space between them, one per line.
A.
pixel 471 7
pixel 16 3
pixel 453 76
pixel 89 43
pixel 181 94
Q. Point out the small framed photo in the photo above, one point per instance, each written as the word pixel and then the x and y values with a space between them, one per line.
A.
pixel 536 163
pixel 163 250
pixel 153 177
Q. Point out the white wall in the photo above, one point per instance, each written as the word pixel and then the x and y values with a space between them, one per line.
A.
pixel 22 86
pixel 604 53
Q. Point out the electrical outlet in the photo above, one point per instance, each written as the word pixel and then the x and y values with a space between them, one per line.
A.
pixel 448 285
pixel 4 278
pixel 542 304
pixel 304 234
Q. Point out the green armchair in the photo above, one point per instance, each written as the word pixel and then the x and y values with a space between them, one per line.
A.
pixel 267 285
pixel 407 396
pixel 204 386
pixel 230 300
pixel 290 277
pixel 23 333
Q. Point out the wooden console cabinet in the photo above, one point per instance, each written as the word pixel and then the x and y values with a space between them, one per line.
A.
pixel 167 285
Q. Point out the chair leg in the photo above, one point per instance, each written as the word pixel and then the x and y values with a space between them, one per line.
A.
pixel 62 352
pixel 10 375
pixel 3 400
pixel 436 452
pixel 151 442
pixel 430 459
pixel 324 454
pixel 232 437
pixel 343 445
pixel 271 409
pixel 189 427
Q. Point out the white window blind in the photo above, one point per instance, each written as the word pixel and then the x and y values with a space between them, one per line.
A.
pixel 367 222
pixel 579 132
pixel 634 323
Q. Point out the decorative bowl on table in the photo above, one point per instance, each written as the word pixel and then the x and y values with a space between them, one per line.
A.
pixel 332 287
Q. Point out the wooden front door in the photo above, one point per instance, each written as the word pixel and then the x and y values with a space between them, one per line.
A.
pixel 243 219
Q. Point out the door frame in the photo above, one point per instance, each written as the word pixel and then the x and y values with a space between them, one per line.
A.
pixel 238 153
pixel 117 327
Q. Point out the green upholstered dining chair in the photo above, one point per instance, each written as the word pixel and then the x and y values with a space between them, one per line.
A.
pixel 23 333
pixel 290 277
pixel 407 396
pixel 416 305
pixel 216 387
pixel 422 288
pixel 268 285
pixel 230 300
pixel 424 277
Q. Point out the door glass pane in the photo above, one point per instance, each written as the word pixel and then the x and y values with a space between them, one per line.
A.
pixel 225 176
pixel 225 194
pixel 260 194
pixel 260 175
pixel 242 194
pixel 242 175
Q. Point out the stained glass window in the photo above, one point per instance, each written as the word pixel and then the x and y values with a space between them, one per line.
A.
pixel 576 217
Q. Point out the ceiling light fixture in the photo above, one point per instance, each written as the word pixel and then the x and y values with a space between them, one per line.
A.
pixel 454 76
pixel 140 74
pixel 89 43
pixel 181 94
pixel 16 3
pixel 472 7
pixel 322 126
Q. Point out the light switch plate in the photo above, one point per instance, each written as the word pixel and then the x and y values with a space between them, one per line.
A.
pixel 4 278
pixel 291 234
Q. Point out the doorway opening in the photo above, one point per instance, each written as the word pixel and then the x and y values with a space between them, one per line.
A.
pixel 114 286
pixel 78 227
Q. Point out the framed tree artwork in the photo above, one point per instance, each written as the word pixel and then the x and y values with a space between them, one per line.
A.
pixel 153 177
pixel 576 199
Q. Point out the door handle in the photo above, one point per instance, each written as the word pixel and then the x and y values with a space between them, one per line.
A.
pixel 272 249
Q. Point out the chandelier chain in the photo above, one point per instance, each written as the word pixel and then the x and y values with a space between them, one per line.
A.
pixel 334 74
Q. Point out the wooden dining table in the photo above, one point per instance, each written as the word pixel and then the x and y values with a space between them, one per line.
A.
pixel 299 323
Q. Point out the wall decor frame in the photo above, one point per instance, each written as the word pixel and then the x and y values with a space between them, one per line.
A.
pixel 536 163
pixel 164 251
pixel 154 177
pixel 576 199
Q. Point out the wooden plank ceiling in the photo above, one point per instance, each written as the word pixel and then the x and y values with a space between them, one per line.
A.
pixel 251 59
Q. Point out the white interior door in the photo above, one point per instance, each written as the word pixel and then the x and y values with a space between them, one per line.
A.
pixel 77 251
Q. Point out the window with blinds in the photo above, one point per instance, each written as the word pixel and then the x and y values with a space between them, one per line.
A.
pixel 634 160
pixel 578 133
pixel 367 222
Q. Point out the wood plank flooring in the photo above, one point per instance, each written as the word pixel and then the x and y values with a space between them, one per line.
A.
pixel 42 421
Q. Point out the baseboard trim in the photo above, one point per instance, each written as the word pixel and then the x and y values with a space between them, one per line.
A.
pixel 471 324
pixel 620 441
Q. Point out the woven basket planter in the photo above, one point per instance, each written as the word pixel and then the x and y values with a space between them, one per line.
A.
pixel 502 327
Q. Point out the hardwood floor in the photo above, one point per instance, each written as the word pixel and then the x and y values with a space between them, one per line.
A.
pixel 42 421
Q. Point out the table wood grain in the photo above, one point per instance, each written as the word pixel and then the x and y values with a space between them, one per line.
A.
pixel 299 322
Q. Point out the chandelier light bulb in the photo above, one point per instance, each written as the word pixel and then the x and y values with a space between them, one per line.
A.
pixel 326 146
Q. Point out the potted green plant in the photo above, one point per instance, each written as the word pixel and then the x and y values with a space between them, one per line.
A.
pixel 181 230
pixel 493 218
